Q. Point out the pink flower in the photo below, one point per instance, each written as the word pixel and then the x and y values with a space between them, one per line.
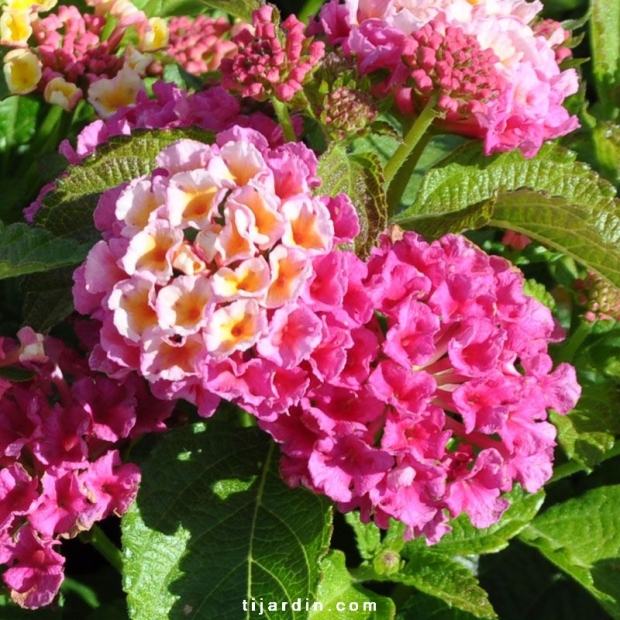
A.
pixel 263 66
pixel 36 578
pixel 493 70
pixel 441 411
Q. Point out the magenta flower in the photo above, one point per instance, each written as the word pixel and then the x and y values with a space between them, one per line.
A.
pixel 60 469
pixel 442 411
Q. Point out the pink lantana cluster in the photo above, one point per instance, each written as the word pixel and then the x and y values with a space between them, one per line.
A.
pixel 444 407
pixel 493 66
pixel 200 278
pixel 265 65
pixel 200 44
pixel 60 468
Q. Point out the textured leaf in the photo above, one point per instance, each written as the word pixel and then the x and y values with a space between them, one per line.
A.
pixel 582 537
pixel 421 606
pixel 590 429
pixel 68 209
pixel 47 298
pixel 551 197
pixel 605 47
pixel 237 8
pixel 465 539
pixel 24 249
pixel 360 176
pixel 436 574
pixel 367 535
pixel 214 525
pixel 340 597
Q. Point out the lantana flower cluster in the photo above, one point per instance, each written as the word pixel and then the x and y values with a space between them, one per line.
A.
pixel 265 65
pixel 198 280
pixel 443 407
pixel 199 45
pixel 60 467
pixel 77 55
pixel 492 65
pixel 414 386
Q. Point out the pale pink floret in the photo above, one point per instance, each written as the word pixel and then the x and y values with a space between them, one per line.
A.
pixel 151 250
pixel 191 197
pixel 249 279
pixel 308 225
pixel 182 306
pixel 235 327
pixel 133 303
pixel 290 268
pixel 137 206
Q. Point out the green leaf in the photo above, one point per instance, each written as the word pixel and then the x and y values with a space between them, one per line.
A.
pixel 68 209
pixel 421 606
pixel 18 121
pixel 213 526
pixel 339 596
pixel 367 535
pixel 237 8
pixel 441 576
pixel 589 431
pixel 551 197
pixel 522 584
pixel 25 249
pixel 582 537
pixel 47 298
pixel 360 176
pixel 605 47
pixel 465 539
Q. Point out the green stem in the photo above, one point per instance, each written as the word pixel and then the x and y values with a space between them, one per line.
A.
pixel 414 135
pixel 284 119
pixel 404 174
pixel 105 546
pixel 571 346
pixel 572 467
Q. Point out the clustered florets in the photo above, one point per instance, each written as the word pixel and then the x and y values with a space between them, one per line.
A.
pixel 420 45
pixel 203 267
pixel 215 279
pixel 444 408
pixel 199 45
pixel 60 431
pixel 266 66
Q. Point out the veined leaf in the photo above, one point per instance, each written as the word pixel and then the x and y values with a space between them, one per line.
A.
pixel 465 539
pixel 360 176
pixel 47 298
pixel 25 249
pixel 436 574
pixel 582 537
pixel 590 429
pixel 68 209
pixel 340 597
pixel 552 198
pixel 214 526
